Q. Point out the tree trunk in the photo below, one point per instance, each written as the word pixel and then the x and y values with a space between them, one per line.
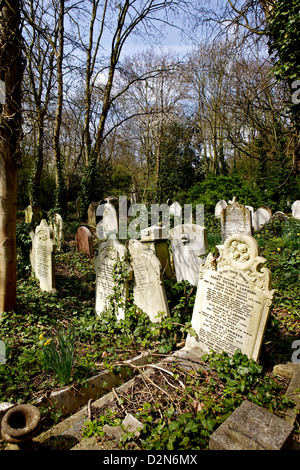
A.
pixel 11 71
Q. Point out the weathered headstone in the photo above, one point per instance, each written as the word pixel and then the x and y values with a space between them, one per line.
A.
pixel 58 230
pixel 155 238
pixel 233 300
pixel 189 244
pixel 109 253
pixel 92 214
pixel 260 217
pixel 219 207
pixel 42 256
pixel 296 210
pixel 28 214
pixel 148 287
pixel 108 224
pixel 33 214
pixel 235 218
pixel 77 205
pixel 84 241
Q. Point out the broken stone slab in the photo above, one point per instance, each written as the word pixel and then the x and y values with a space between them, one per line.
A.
pixel 129 424
pixel 251 427
pixel 291 371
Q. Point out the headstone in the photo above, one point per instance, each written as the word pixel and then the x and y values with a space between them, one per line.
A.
pixel 58 230
pixel 28 214
pixel 279 216
pixel 235 218
pixel 42 256
pixel 108 224
pixel 33 214
pixel 189 244
pixel 92 214
pixel 109 253
pixel 219 207
pixel 77 205
pixel 233 300
pixel 260 217
pixel 155 238
pixel 296 210
pixel 148 287
pixel 84 241
pixel 251 427
pixel 175 209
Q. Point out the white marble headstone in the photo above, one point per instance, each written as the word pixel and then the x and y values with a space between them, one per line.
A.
pixel 58 230
pixel 42 256
pixel 189 244
pixel 148 287
pixel 260 217
pixel 296 210
pixel 233 300
pixel 235 218
pixel 108 226
pixel 219 207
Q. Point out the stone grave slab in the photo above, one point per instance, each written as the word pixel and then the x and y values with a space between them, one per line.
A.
pixel 296 210
pixel 260 217
pixel 108 254
pixel 233 300
pixel 189 244
pixel 84 241
pixel 92 214
pixel 42 256
pixel 251 427
pixel 235 218
pixel 148 287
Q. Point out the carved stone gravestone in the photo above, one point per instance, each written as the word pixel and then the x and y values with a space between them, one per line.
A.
pixel 219 207
pixel 58 230
pixel 109 253
pixel 189 244
pixel 108 225
pixel 148 287
pixel 235 218
pixel 260 217
pixel 155 238
pixel 296 210
pixel 33 214
pixel 84 241
pixel 176 209
pixel 233 300
pixel 42 256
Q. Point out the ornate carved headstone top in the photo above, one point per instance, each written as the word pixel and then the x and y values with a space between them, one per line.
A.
pixel 233 300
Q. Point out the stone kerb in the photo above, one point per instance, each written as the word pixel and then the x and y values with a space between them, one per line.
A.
pixel 148 287
pixel 233 300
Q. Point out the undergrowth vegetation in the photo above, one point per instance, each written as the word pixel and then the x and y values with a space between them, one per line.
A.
pixel 47 331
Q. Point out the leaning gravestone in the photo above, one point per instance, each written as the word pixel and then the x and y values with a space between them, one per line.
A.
pixel 109 253
pixel 84 241
pixel 233 300
pixel 148 287
pixel 58 229
pixel 296 210
pixel 235 218
pixel 260 217
pixel 42 256
pixel 189 244
pixel 219 207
